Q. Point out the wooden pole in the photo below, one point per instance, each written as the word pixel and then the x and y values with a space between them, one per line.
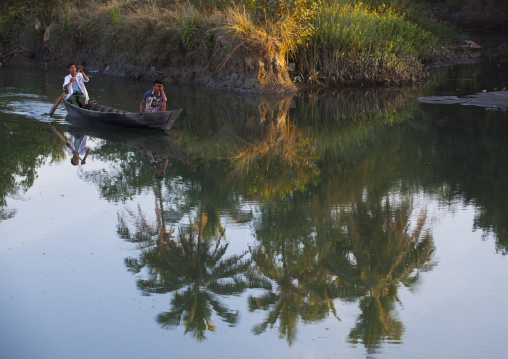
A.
pixel 56 104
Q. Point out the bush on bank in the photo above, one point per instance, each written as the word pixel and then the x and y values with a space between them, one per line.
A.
pixel 329 41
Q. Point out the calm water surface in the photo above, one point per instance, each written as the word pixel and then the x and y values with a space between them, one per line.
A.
pixel 358 223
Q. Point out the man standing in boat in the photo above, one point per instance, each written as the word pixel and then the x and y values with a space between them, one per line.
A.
pixel 154 100
pixel 74 84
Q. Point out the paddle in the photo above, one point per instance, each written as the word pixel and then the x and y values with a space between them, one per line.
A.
pixel 56 104
pixel 59 99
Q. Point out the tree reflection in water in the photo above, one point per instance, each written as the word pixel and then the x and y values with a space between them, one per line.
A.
pixel 301 283
pixel 340 238
pixel 278 164
pixel 290 252
pixel 194 267
pixel 371 248
pixel 380 248
pixel 24 148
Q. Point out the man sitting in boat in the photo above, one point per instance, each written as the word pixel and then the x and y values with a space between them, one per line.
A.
pixel 154 100
pixel 74 83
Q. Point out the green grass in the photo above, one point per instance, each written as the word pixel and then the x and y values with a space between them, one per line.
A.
pixel 356 42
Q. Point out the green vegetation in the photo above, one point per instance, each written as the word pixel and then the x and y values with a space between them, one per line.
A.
pixel 330 41
pixel 355 43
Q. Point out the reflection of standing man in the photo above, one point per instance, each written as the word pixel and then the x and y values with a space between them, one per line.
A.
pixel 77 146
pixel 156 161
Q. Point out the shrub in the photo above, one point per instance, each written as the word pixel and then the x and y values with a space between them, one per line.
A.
pixel 114 16
pixel 187 32
pixel 354 42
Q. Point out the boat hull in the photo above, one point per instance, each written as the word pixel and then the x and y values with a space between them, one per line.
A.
pixel 100 114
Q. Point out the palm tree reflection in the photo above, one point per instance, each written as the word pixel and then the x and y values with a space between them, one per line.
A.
pixel 382 250
pixel 371 248
pixel 303 287
pixel 194 267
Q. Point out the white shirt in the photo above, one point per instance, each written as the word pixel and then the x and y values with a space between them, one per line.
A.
pixel 73 142
pixel 80 80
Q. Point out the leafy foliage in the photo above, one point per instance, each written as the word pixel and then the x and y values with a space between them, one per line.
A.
pixel 301 12
pixel 187 32
pixel 114 15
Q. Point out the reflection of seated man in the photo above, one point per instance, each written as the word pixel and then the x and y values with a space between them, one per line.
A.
pixel 77 146
pixel 156 161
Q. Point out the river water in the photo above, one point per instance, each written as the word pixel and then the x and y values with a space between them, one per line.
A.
pixel 355 223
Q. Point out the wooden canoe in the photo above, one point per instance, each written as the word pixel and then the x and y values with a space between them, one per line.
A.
pixel 100 114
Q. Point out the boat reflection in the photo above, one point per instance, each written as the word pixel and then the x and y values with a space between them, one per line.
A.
pixel 153 141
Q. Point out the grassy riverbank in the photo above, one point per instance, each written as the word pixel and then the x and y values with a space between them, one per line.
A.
pixel 330 42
